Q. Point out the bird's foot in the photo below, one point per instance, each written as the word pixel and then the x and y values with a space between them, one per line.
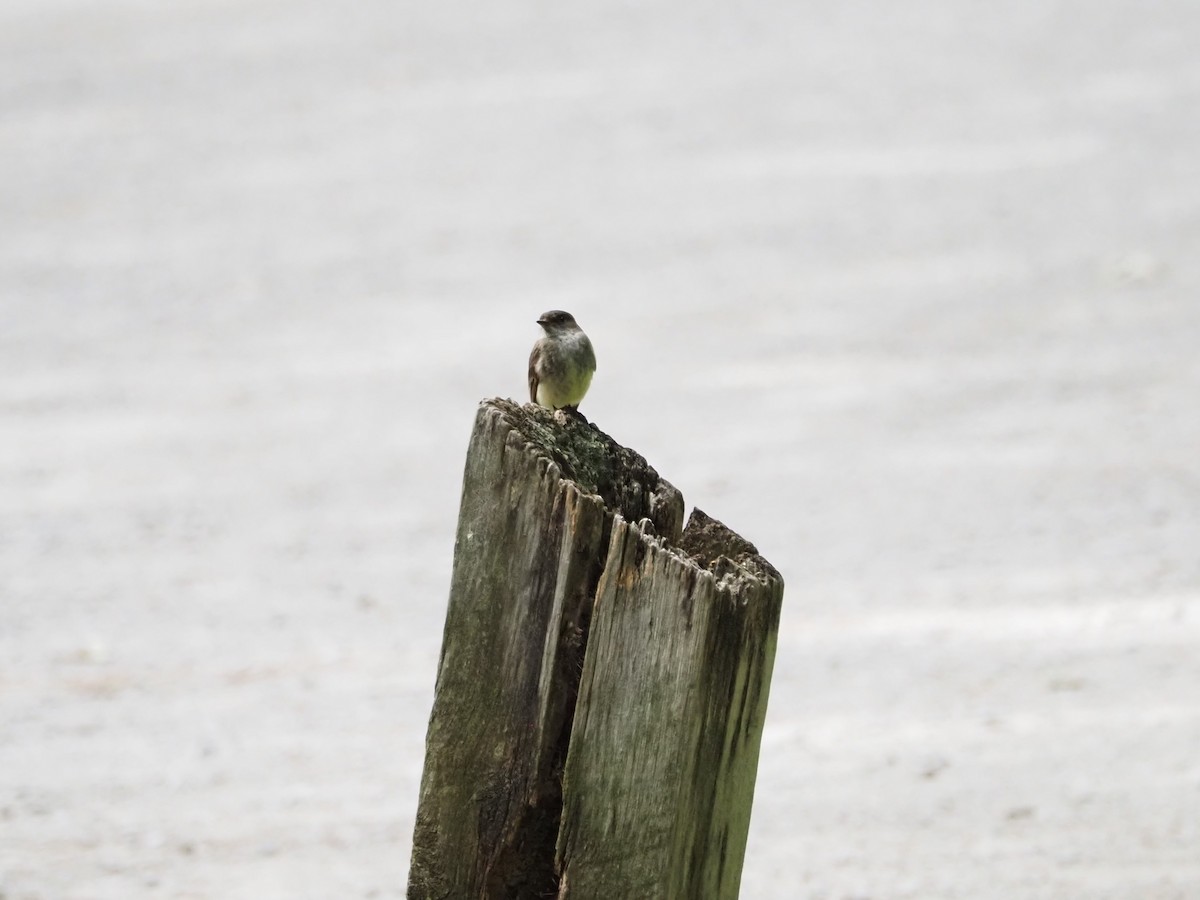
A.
pixel 566 413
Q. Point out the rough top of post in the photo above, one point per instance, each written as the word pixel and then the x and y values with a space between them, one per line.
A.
pixel 630 486
pixel 597 464
pixel 722 551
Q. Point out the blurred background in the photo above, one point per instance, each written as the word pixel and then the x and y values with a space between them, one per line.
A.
pixel 908 294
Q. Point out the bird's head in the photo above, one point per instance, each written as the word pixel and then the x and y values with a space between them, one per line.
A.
pixel 557 320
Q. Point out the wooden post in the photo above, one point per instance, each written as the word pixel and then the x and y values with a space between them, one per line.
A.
pixel 603 680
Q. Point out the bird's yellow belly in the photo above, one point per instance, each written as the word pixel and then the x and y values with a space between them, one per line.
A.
pixel 567 391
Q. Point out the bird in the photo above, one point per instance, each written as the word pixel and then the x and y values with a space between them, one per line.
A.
pixel 562 363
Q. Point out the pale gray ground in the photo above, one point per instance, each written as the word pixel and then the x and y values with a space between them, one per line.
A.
pixel 907 293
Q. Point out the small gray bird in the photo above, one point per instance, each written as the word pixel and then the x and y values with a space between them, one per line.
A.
pixel 561 364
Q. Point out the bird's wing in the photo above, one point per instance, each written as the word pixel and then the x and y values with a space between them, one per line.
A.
pixel 534 359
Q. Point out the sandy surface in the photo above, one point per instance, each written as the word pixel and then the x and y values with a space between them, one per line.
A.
pixel 908 294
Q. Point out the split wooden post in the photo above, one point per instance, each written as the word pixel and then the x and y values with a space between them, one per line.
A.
pixel 603 680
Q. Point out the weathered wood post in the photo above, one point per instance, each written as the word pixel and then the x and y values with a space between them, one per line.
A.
pixel 603 680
